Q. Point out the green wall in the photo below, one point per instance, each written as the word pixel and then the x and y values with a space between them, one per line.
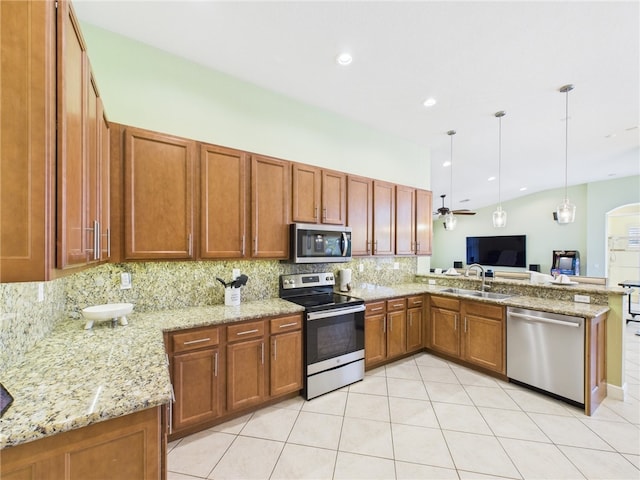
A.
pixel 532 216
pixel 146 87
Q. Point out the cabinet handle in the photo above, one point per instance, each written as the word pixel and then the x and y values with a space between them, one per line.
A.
pixel 376 309
pixel 190 242
pixel 275 349
pixel 384 324
pixel 247 332
pixel 368 247
pixel 292 324
pixel 417 247
pixel 109 242
pixel 324 214
pixel 262 353
pixel 398 305
pixel 465 324
pixel 200 340
pixel 455 322
pixel 243 245
pixel 215 366
pixel 96 240
pixel 375 246
pixel 173 399
pixel 315 213
pixel 255 244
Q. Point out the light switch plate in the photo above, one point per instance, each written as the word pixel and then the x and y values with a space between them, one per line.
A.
pixel 125 281
pixel 582 298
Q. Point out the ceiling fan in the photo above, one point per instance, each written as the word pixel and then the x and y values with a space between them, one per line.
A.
pixel 442 211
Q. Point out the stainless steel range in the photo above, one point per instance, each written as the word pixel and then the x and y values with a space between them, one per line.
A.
pixel 333 332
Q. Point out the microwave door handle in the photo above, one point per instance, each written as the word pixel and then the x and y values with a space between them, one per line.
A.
pixel 345 244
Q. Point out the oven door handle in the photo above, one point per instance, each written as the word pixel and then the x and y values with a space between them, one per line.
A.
pixel 335 312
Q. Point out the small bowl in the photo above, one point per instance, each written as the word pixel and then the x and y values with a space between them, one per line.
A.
pixel 108 311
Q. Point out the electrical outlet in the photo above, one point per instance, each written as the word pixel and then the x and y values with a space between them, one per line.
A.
pixel 41 292
pixel 125 280
pixel 582 298
pixel 236 273
pixel 396 265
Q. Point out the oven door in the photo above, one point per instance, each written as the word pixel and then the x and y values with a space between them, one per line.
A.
pixel 331 334
pixel 320 243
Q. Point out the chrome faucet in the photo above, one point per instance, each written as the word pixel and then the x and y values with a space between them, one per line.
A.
pixel 480 272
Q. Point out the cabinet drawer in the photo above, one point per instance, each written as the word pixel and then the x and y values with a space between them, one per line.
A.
pixel 415 302
pixel 445 302
pixel 375 308
pixel 483 310
pixel 244 331
pixel 286 324
pixel 194 339
pixel 396 304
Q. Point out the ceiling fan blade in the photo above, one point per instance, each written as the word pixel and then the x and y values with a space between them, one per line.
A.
pixel 463 212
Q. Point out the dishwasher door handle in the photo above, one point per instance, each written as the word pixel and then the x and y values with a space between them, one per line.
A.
pixel 531 318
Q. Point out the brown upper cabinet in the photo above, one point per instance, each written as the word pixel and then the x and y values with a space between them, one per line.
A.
pixel 360 214
pixel 158 196
pixel 384 218
pixel 413 221
pixel 270 206
pixel 27 149
pixel 318 196
pixel 224 177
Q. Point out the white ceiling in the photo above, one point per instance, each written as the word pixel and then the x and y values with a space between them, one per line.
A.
pixel 475 58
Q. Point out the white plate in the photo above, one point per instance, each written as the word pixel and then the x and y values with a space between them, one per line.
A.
pixel 555 282
pixel 452 274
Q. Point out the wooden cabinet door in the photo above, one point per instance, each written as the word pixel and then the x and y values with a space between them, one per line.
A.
pixel 223 202
pixel 197 387
pixel 158 196
pixel 375 339
pixel 27 149
pixel 306 183
pixel 72 142
pixel 270 202
pixel 414 329
pixel 245 374
pixel 360 214
pixel 93 172
pixel 405 220
pixel 334 197
pixel 286 363
pixel 483 334
pixel 445 336
pixel 104 145
pixel 396 333
pixel 424 222
pixel 384 214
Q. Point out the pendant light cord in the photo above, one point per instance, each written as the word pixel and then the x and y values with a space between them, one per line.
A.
pixel 566 146
pixel 500 161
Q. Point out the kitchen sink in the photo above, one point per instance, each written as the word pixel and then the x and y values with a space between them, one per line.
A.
pixel 476 293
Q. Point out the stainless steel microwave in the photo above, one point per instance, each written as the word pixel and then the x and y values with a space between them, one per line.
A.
pixel 311 243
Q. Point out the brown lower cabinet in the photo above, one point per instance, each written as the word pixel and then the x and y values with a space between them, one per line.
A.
pixel 219 372
pixel 392 329
pixel 470 331
pixel 132 446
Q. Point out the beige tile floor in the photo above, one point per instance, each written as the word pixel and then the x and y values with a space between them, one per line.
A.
pixel 423 418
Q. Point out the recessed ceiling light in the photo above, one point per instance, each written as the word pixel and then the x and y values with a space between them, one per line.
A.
pixel 491 179
pixel 446 164
pixel 344 59
pixel 522 189
pixel 430 102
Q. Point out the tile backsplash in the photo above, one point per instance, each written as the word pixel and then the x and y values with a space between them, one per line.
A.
pixel 159 286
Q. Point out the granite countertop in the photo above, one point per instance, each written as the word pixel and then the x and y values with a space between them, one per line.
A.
pixel 588 310
pixel 76 377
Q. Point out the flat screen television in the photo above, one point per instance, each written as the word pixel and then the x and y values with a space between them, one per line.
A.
pixel 498 251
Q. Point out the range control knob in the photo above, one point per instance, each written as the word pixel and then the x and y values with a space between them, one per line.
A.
pixel 329 278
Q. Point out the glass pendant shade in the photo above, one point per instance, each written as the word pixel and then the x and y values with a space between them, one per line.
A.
pixel 499 218
pixel 566 212
pixel 450 221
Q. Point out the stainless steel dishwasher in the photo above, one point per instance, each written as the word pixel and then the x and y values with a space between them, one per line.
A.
pixel 546 351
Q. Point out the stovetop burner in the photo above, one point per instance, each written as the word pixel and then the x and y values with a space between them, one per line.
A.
pixel 314 291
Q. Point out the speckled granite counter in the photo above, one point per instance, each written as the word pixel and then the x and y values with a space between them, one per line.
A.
pixel 587 310
pixel 77 377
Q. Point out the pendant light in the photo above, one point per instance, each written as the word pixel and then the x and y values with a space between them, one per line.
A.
pixel 566 212
pixel 500 216
pixel 450 220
